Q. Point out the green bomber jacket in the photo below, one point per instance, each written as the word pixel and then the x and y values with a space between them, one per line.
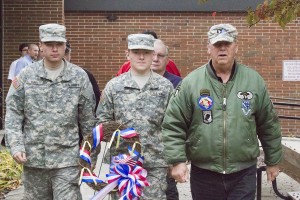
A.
pixel 217 125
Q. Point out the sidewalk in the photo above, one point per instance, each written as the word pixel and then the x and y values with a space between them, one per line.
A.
pixel 284 184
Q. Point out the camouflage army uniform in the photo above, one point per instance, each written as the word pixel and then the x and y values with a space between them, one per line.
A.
pixel 43 118
pixel 143 109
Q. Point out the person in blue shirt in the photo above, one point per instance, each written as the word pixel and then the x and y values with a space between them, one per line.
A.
pixel 32 55
pixel 23 49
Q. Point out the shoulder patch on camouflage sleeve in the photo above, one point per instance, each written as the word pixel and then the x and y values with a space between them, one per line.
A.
pixel 16 84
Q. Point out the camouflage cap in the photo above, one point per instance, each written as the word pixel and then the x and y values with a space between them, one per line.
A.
pixel 52 33
pixel 222 32
pixel 140 41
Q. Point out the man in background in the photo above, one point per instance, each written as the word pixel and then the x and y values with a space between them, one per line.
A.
pixel 23 49
pixel 160 60
pixel 32 56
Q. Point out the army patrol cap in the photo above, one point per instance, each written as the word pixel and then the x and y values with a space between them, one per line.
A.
pixel 222 32
pixel 141 41
pixel 52 33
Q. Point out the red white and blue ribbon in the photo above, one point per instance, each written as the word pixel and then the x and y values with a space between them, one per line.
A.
pixel 85 155
pixel 128 133
pixel 87 176
pixel 97 135
pixel 90 178
pixel 131 180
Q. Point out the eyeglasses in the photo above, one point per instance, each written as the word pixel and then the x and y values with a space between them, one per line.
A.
pixel 24 49
pixel 160 56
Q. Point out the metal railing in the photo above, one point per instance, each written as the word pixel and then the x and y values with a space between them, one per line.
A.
pixel 284 104
pixel 274 185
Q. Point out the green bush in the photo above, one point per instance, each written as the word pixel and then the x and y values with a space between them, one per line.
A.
pixel 10 172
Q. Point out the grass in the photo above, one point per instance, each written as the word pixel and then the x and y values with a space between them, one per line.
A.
pixel 10 172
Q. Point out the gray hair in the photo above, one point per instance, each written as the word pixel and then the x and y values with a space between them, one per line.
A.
pixel 167 48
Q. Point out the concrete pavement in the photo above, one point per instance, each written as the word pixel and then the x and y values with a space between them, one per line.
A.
pixel 284 184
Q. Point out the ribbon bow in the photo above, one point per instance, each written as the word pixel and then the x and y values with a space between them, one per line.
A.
pixel 131 180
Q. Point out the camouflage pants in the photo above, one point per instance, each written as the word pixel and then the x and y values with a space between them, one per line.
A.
pixel 48 184
pixel 158 185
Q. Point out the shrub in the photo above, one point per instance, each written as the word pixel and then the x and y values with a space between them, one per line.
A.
pixel 10 172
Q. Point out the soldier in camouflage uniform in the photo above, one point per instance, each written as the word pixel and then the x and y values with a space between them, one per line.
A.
pixel 138 99
pixel 46 106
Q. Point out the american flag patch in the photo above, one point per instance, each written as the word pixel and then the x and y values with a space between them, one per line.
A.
pixel 15 83
pixel 124 159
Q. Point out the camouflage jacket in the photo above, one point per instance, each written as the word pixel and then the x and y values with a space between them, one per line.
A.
pixel 142 109
pixel 43 117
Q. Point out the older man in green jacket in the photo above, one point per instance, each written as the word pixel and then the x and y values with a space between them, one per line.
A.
pixel 214 119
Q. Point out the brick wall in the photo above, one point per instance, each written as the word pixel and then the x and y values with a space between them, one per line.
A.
pixel 99 45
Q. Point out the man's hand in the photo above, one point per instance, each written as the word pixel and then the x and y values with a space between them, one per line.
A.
pixel 20 157
pixel 180 172
pixel 272 172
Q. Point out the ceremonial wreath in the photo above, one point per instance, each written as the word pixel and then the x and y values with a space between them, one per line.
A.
pixel 126 176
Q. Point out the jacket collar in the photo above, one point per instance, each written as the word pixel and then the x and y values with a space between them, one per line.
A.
pixel 151 83
pixel 65 75
pixel 213 74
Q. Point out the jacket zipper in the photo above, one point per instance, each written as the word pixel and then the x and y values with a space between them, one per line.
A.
pixel 224 130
